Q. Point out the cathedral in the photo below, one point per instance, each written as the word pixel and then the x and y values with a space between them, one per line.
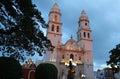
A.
pixel 79 52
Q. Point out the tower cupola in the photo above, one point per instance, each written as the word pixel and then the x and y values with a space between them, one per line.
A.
pixel 55 9
pixel 83 21
pixel 83 17
pixel 84 31
pixel 55 13
pixel 54 31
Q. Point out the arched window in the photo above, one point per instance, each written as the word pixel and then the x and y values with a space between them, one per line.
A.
pixel 88 35
pixel 57 28
pixel 55 18
pixel 79 58
pixel 84 34
pixel 63 57
pixel 72 56
pixel 52 28
pixel 86 24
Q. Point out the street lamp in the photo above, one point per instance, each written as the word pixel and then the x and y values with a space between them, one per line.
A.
pixel 71 71
pixel 83 76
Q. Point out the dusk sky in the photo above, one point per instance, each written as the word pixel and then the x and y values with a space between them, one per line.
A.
pixel 104 16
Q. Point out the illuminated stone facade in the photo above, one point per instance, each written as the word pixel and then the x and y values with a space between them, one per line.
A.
pixel 79 51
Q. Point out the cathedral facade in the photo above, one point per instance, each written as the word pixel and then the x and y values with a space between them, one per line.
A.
pixel 79 52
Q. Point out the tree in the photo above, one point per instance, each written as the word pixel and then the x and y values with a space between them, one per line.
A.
pixel 46 71
pixel 10 68
pixel 20 31
pixel 114 58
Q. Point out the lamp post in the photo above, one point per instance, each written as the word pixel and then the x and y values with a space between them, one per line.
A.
pixel 83 76
pixel 71 70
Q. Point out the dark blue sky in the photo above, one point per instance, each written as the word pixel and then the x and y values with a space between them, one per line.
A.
pixel 104 16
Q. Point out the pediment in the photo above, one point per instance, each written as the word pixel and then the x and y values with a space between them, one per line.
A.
pixel 72 45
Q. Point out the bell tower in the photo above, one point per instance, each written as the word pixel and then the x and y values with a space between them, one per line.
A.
pixel 84 39
pixel 54 31
pixel 84 31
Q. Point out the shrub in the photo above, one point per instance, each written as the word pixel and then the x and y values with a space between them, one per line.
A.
pixel 10 68
pixel 46 71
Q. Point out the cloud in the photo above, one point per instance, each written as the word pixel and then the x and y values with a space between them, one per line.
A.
pixel 99 66
pixel 104 16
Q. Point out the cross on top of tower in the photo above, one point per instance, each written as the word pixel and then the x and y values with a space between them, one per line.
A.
pixel 83 12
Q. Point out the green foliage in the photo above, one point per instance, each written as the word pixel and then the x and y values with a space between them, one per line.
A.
pixel 10 68
pixel 46 71
pixel 20 32
pixel 114 58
